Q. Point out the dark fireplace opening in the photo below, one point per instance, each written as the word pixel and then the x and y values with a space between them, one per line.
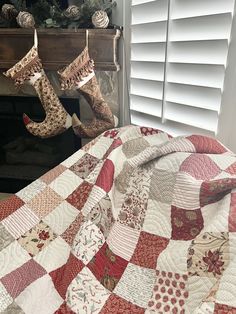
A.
pixel 23 157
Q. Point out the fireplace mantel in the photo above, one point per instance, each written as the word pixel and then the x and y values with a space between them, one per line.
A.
pixel 58 47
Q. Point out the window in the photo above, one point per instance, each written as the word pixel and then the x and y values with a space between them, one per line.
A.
pixel 178 59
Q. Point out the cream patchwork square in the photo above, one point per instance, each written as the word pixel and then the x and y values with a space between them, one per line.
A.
pixel 54 255
pixel 66 183
pixel 5 298
pixel 31 190
pixel 226 293
pixel 85 294
pixel 101 147
pixel 73 158
pixel 158 219
pixel 20 221
pixel 136 285
pixel 122 240
pixel 88 242
pixel 174 257
pixel 216 215
pixel 11 258
pixel 222 161
pixel 61 217
pixel 40 297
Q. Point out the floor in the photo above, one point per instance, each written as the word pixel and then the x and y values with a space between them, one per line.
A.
pixel 3 196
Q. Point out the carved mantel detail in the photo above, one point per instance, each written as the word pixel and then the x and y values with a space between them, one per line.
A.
pixel 58 47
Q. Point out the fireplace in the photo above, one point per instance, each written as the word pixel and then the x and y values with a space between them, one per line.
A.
pixel 23 157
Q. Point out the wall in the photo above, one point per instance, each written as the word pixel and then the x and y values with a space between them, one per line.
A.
pixel 227 121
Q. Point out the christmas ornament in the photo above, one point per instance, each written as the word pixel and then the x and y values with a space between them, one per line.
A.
pixel 80 75
pixel 25 20
pixel 9 12
pixel 72 12
pixel 100 19
pixel 30 69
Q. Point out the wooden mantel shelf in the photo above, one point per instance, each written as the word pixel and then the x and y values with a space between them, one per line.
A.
pixel 58 47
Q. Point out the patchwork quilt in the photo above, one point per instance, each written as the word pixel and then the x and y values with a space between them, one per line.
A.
pixel 135 222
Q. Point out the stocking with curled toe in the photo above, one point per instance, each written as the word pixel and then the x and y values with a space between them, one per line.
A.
pixel 80 74
pixel 29 69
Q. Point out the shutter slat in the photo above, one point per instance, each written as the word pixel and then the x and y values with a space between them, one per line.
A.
pixel 137 2
pixel 146 105
pixel 199 52
pixel 201 97
pixel 171 127
pixel 147 70
pixel 146 88
pixel 148 52
pixel 148 33
pixel 155 11
pixel 192 8
pixel 192 116
pixel 201 28
pixel 200 75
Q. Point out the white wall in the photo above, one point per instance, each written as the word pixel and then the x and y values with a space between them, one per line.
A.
pixel 121 16
pixel 227 121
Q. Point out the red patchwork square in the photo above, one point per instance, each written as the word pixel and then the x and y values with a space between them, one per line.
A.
pixel 224 309
pixel 72 230
pixel 231 169
pixel 116 143
pixel 186 224
pixel 207 145
pixel 118 305
pixel 107 267
pixel 232 213
pixel 79 197
pixel 63 276
pixel 106 175
pixel 19 279
pixel 8 206
pixel 64 309
pixel 148 249
pixel 85 166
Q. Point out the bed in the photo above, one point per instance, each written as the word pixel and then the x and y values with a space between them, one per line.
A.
pixel 134 222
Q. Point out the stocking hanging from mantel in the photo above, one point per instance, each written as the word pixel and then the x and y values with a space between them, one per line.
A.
pixel 29 69
pixel 80 75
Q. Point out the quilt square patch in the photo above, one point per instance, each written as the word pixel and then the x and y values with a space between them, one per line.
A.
pixel 37 238
pixel 63 276
pixel 169 293
pixel 107 267
pixel 106 176
pixel 148 249
pixel 116 304
pixel 224 309
pixel 31 190
pixel 72 230
pixel 9 206
pixel 122 240
pixel 65 183
pixel 186 224
pixel 79 197
pixel 19 279
pixel 88 242
pixel 5 237
pixel 11 258
pixel 85 166
pixel 5 298
pixel 13 308
pixel 53 255
pixel 40 300
pixel 61 217
pixel 45 202
pixel 53 174
pixel 208 255
pixel 64 309
pixel 22 220
pixel 136 285
pixel 85 294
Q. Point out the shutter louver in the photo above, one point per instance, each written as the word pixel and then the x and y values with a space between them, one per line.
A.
pixel 181 54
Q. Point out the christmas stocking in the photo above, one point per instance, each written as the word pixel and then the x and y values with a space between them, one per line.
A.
pixel 30 69
pixel 80 74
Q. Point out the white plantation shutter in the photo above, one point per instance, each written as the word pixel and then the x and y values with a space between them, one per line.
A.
pixel 178 58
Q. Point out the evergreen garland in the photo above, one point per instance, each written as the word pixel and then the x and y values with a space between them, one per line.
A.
pixel 49 13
